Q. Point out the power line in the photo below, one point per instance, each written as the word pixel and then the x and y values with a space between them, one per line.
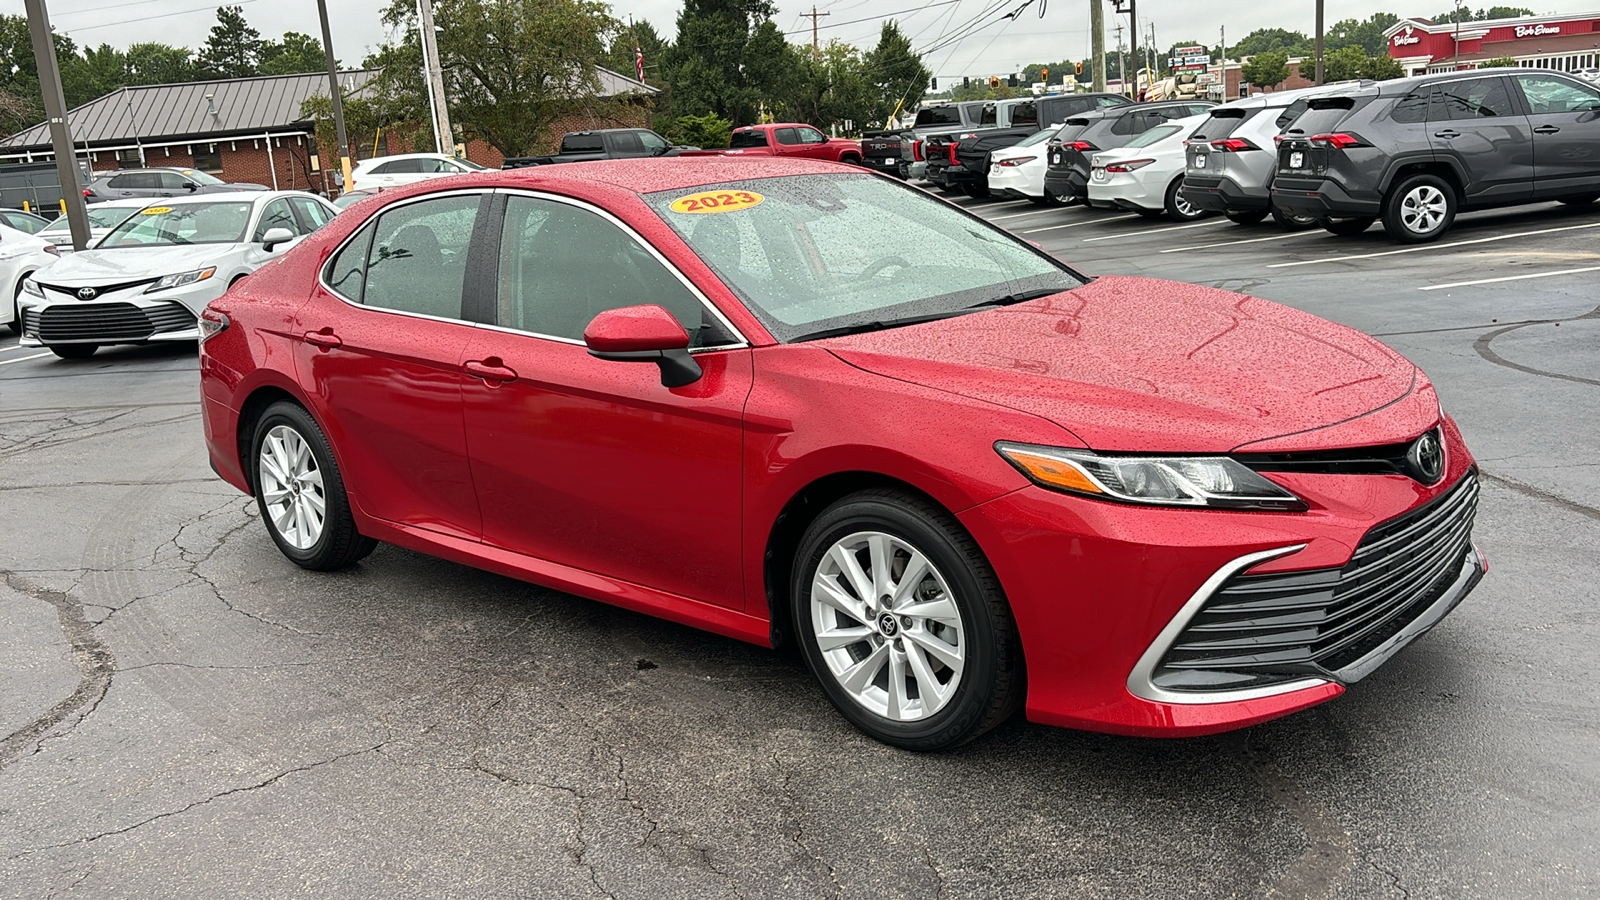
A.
pixel 181 12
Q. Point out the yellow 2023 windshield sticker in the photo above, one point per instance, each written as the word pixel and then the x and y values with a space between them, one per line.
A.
pixel 155 210
pixel 716 201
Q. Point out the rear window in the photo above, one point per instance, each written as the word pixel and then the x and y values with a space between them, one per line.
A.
pixel 1291 112
pixel 1025 114
pixel 1323 116
pixel 937 115
pixel 1158 133
pixel 989 116
pixel 1073 128
pixel 582 143
pixel 749 139
pixel 1223 123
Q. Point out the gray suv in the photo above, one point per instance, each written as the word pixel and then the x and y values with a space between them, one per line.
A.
pixel 158 183
pixel 1416 151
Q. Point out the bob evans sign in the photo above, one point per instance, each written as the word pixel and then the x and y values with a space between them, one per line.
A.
pixel 1407 37
pixel 1536 30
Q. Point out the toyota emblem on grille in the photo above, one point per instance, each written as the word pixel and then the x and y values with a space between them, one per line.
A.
pixel 86 293
pixel 1426 457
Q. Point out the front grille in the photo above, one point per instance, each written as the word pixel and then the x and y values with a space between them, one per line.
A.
pixel 89 322
pixel 100 290
pixel 1265 629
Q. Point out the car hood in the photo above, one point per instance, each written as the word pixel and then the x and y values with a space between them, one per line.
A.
pixel 97 267
pixel 1155 366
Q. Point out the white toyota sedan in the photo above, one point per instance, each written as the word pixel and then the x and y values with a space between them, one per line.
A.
pixel 1146 175
pixel 103 216
pixel 1018 171
pixel 407 168
pixel 150 277
pixel 21 254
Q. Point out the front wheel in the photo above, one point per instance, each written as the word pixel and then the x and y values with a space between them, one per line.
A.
pixel 16 310
pixel 976 191
pixel 300 493
pixel 1347 227
pixel 1178 207
pixel 904 624
pixel 1419 209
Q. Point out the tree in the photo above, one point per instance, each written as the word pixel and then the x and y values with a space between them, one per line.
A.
pixel 233 50
pixel 1364 33
pixel 640 36
pixel 1344 64
pixel 829 90
pixel 1499 62
pixel 1266 69
pixel 707 65
pixel 1382 67
pixel 157 63
pixel 295 54
pixel 1483 15
pixel 708 131
pixel 1266 40
pixel 895 71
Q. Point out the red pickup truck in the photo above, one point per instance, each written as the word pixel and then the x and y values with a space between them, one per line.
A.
pixel 786 139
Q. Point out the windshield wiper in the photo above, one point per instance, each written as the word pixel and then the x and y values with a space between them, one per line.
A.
pixel 1019 297
pixel 874 325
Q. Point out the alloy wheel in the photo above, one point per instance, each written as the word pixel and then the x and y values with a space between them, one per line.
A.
pixel 1185 209
pixel 1423 209
pixel 887 626
pixel 292 491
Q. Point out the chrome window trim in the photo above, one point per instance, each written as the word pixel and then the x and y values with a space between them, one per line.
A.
pixel 322 272
pixel 739 342
pixel 1139 680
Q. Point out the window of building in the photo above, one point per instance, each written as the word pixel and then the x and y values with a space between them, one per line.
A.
pixel 207 158
pixel 129 158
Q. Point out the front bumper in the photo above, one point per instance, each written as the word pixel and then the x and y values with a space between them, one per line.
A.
pixel 1320 197
pixel 1101 592
pixel 122 317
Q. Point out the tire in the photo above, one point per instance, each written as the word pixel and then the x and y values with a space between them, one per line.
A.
pixel 972 626
pixel 16 309
pixel 1177 207
pixel 293 434
pixel 1289 222
pixel 976 191
pixel 1583 200
pixel 1419 209
pixel 1347 227
pixel 850 160
pixel 1245 216
pixel 1040 201
pixel 74 351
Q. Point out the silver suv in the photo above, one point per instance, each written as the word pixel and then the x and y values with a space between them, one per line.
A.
pixel 152 183
pixel 1231 157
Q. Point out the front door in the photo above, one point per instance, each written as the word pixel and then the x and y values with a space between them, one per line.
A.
pixel 1566 135
pixel 594 464
pixel 813 143
pixel 1475 123
pixel 382 351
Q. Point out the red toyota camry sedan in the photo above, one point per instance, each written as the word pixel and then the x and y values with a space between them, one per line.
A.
pixel 794 401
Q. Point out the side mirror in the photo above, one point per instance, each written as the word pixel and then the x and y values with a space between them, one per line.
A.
pixel 274 237
pixel 191 186
pixel 644 334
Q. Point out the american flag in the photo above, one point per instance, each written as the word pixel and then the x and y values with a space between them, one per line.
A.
pixel 638 61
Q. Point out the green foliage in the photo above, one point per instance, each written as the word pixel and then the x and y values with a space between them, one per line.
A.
pixel 1266 69
pixel 895 72
pixel 709 66
pixel 233 49
pixel 295 54
pixel 157 63
pixel 1272 40
pixel 1350 63
pixel 709 131
pixel 1383 67
pixel 1499 62
pixel 1484 15
pixel 1364 33
pixel 829 90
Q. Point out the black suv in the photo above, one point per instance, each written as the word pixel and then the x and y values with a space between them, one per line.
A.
pixel 1415 151
pixel 1067 178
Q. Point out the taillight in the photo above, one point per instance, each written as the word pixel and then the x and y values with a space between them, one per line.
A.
pixel 953 160
pixel 1338 141
pixel 88 193
pixel 1015 161
pixel 212 323
pixel 1233 145
pixel 1080 146
pixel 916 150
pixel 52 249
pixel 1277 139
pixel 1129 165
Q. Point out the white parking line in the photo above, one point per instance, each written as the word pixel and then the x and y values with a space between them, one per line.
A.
pixel 1031 212
pixel 1276 237
pixel 1482 240
pixel 1112 237
pixel 22 359
pixel 1076 224
pixel 1440 287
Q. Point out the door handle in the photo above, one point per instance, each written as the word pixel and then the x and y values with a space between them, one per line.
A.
pixel 1546 129
pixel 1447 133
pixel 491 369
pixel 325 339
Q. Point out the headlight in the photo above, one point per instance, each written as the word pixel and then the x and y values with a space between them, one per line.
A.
pixel 181 279
pixel 1196 481
pixel 32 287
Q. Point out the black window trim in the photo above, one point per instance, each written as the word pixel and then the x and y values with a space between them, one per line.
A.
pixel 740 342
pixel 370 229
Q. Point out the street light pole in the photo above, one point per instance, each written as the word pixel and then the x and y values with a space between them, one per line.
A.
pixel 1319 41
pixel 333 91
pixel 55 111
pixel 430 55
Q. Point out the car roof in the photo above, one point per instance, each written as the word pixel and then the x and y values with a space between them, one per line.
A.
pixel 1263 101
pixel 615 179
pixel 382 159
pixel 1406 85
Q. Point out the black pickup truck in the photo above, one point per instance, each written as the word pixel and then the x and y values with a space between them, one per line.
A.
pixel 607 143
pixel 882 151
pixel 961 160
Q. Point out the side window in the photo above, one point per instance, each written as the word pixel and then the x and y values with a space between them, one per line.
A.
pixel 1025 114
pixel 1411 109
pixel 1475 99
pixel 403 167
pixel 312 215
pixel 120 182
pixel 1290 113
pixel 1110 101
pixel 1557 95
pixel 786 136
pixel 811 136
pixel 652 142
pixel 276 215
pixel 551 284
pixel 347 271
pixel 627 143
pixel 171 181
pixel 1125 124
pixel 418 261
pixel 384 168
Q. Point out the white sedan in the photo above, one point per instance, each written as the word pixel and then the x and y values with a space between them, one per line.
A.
pixel 103 216
pixel 21 254
pixel 1018 170
pixel 407 168
pixel 1146 174
pixel 150 277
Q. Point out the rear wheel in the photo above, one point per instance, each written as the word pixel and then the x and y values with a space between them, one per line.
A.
pixel 1178 207
pixel 1582 200
pixel 300 493
pixel 1290 222
pixel 976 191
pixel 1347 227
pixel 74 351
pixel 1419 209
pixel 1245 216
pixel 902 621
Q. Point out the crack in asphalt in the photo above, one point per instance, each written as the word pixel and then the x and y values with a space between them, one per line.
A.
pixel 799 829
pixel 37 486
pixel 1393 877
pixel 95 661
pixel 1331 852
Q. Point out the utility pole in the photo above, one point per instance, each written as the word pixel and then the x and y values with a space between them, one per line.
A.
pixel 1122 62
pixel 816 48
pixel 430 56
pixel 1319 41
pixel 1097 44
pixel 55 110
pixel 338 100
pixel 1133 42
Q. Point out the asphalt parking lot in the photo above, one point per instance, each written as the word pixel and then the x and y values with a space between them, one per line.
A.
pixel 187 714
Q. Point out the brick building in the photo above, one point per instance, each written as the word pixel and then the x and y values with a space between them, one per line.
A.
pixel 251 129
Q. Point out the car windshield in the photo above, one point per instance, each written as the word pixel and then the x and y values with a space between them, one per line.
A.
pixel 1158 133
pixel 201 177
pixel 812 255
pixel 100 216
pixel 471 165
pixel 187 223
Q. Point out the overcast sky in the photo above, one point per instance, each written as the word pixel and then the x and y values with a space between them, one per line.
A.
pixel 1062 33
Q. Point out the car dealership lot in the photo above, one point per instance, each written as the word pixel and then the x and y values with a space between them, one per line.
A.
pixel 189 714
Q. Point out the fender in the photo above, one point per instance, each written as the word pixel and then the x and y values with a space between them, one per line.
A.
pixel 1414 157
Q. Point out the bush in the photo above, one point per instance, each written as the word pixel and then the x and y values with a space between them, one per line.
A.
pixel 709 131
pixel 1500 62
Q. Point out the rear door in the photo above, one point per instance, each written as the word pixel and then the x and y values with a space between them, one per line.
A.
pixel 1474 122
pixel 1205 158
pixel 625 145
pixel 787 142
pixel 1564 115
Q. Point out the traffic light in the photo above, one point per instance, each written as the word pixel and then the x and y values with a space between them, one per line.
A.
pixel 933 84
pixel 1077 68
pixel 994 81
pixel 966 82
pixel 1012 80
pixel 1044 75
